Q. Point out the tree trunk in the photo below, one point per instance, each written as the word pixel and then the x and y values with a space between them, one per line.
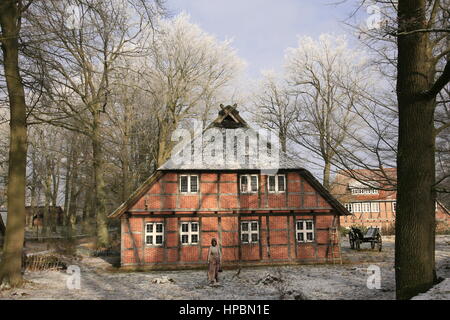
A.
pixel 126 183
pixel 327 174
pixel 415 218
pixel 99 185
pixel 46 214
pixel 72 211
pixel 10 268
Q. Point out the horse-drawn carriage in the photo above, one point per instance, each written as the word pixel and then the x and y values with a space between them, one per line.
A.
pixel 373 235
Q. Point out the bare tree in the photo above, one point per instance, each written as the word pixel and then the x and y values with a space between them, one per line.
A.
pixel 411 40
pixel 329 79
pixel 79 61
pixel 186 68
pixel 10 21
pixel 276 107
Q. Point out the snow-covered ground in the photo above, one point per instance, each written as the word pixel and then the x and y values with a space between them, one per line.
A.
pixel 348 281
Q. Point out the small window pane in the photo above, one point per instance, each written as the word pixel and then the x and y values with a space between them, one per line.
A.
pixel 300 237
pixel 194 184
pixel 309 225
pixel 271 183
pixel 150 227
pixel 184 238
pixel 194 238
pixel 149 240
pixel 244 184
pixel 194 227
pixel 159 240
pixel 159 227
pixel 245 237
pixel 254 180
pixel 300 225
pixel 184 184
pixel 281 183
pixel 184 227
pixel 254 226
pixel 309 236
pixel 254 237
pixel 244 226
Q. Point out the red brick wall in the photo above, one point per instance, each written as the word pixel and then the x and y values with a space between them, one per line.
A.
pixel 221 191
pixel 277 240
pixel 215 208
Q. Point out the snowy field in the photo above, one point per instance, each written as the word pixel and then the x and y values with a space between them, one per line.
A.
pixel 99 280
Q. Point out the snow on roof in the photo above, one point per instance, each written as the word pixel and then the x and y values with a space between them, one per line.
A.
pixel 228 143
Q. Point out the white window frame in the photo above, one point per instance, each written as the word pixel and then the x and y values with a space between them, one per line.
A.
pixel 249 183
pixel 189 233
pixel 364 191
pixel 304 230
pixel 249 231
pixel 356 207
pixel 276 183
pixel 394 206
pixel 348 206
pixel 154 233
pixel 366 207
pixel 374 207
pixel 189 176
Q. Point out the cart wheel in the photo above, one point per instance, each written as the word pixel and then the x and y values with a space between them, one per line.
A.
pixel 380 243
pixel 372 244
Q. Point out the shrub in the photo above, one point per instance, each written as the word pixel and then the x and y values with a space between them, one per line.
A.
pixel 388 230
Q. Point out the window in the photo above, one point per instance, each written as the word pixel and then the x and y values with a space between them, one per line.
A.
pixel 305 230
pixel 189 233
pixel 154 234
pixel 189 184
pixel 375 207
pixel 249 183
pixel 394 206
pixel 356 207
pixel 364 191
pixel 366 207
pixel 276 183
pixel 348 206
pixel 249 231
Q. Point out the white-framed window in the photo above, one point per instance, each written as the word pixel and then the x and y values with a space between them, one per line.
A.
pixel 394 206
pixel 189 184
pixel 364 191
pixel 356 207
pixel 249 183
pixel 154 234
pixel 276 183
pixel 189 233
pixel 375 207
pixel 249 231
pixel 348 206
pixel 366 207
pixel 304 230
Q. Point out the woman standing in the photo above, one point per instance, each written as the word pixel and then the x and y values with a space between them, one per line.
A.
pixel 214 262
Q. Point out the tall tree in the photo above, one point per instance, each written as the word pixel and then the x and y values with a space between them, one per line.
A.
pixel 10 22
pixel 329 78
pixel 80 60
pixel 187 67
pixel 417 88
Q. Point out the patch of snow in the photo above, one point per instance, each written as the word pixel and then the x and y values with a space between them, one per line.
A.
pixel 440 291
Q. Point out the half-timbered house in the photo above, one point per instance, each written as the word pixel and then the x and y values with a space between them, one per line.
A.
pixel 258 215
